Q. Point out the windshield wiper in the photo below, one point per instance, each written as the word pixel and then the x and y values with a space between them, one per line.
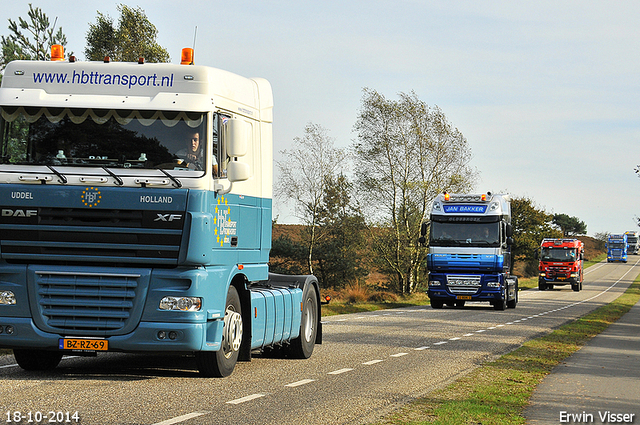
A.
pixel 177 182
pixel 62 178
pixel 119 181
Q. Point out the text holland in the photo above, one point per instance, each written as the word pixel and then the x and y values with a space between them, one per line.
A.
pixel 152 199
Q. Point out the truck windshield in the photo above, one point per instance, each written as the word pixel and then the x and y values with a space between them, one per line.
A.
pixel 464 234
pixel 617 245
pixel 558 254
pixel 103 138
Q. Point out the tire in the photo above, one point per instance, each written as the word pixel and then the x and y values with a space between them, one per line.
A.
pixel 302 346
pixel 436 303
pixel 37 359
pixel 512 303
pixel 502 303
pixel 222 362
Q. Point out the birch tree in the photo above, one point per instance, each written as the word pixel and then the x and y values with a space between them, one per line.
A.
pixel 405 154
pixel 305 169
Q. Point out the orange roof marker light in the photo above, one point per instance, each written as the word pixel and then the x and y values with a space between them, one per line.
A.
pixel 57 52
pixel 187 56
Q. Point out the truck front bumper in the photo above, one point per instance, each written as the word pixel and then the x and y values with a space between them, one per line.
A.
pixel 442 294
pixel 557 281
pixel 147 337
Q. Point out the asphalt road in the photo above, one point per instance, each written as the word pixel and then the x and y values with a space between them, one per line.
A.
pixel 368 365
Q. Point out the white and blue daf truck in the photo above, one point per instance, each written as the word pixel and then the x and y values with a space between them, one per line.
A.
pixel 470 238
pixel 135 205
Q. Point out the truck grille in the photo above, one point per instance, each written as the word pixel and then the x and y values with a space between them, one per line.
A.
pixel 463 285
pixel 81 235
pixel 87 303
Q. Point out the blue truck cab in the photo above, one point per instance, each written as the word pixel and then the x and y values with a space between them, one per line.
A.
pixel 617 248
pixel 470 251
pixel 136 216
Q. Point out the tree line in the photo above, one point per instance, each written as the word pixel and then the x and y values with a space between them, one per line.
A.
pixel 361 207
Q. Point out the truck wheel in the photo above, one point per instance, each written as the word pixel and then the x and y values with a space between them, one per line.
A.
pixel 436 303
pixel 37 359
pixel 221 363
pixel 302 346
pixel 512 303
pixel 501 304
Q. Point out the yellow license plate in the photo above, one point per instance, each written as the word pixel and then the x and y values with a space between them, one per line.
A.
pixel 83 344
pixel 463 297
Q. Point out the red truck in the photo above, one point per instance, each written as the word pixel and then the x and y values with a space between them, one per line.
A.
pixel 561 263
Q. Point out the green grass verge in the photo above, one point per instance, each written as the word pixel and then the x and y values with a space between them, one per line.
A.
pixel 499 391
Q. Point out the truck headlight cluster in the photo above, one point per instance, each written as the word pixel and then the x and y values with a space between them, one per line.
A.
pixel 181 303
pixel 493 284
pixel 543 274
pixel 434 283
pixel 7 298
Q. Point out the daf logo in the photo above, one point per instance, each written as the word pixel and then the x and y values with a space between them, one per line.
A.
pixel 168 217
pixel 19 213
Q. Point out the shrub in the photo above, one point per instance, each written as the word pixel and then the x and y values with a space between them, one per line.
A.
pixel 355 293
pixel 383 297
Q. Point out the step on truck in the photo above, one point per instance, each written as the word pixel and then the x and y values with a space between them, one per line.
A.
pixel 136 216
pixel 469 258
pixel 561 262
pixel 617 248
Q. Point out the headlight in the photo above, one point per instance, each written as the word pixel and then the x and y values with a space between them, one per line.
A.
pixel 493 284
pixel 434 283
pixel 181 303
pixel 574 274
pixel 543 274
pixel 7 298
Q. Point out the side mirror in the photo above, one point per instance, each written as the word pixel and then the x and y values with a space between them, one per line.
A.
pixel 238 171
pixel 536 253
pixel 424 229
pixel 509 241
pixel 509 230
pixel 237 137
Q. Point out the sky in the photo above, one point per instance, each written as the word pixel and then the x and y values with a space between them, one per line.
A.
pixel 547 93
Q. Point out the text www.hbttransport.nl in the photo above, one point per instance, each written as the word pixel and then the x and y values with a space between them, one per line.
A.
pixel 106 79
